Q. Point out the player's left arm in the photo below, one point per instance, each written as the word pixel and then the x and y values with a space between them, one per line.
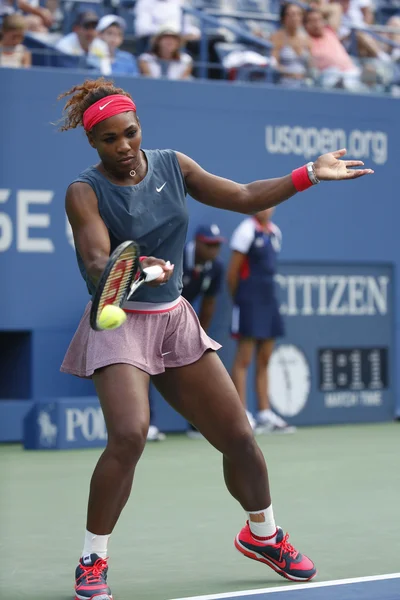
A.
pixel 256 196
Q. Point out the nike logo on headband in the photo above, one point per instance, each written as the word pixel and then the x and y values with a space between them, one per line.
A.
pixel 104 105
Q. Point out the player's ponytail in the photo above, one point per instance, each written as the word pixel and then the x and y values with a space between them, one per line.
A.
pixel 83 96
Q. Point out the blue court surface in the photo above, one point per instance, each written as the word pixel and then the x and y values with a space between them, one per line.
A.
pixel 378 587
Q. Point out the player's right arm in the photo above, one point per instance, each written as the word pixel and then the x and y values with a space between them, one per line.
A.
pixel 90 232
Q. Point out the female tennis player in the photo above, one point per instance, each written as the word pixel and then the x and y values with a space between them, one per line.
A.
pixel 136 194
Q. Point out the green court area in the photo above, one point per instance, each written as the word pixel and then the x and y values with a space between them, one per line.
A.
pixel 336 490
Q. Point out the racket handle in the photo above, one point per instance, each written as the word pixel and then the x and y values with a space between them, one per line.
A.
pixel 148 274
pixel 153 272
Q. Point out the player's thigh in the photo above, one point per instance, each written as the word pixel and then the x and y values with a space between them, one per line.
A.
pixel 264 351
pixel 204 394
pixel 123 391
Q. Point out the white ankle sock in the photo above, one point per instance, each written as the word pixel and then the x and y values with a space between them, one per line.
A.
pixel 262 524
pixel 95 544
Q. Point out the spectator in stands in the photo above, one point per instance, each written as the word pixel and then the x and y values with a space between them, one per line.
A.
pixel 57 15
pixel 83 41
pixel 331 12
pixel 6 7
pixel 355 13
pixel 152 15
pixel 111 29
pixel 166 58
pixel 393 51
pixel 291 47
pixel 13 53
pixel 33 7
pixel 359 13
pixel 34 24
pixel 329 55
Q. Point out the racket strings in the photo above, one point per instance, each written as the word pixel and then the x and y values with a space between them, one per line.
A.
pixel 109 289
pixel 115 282
pixel 128 261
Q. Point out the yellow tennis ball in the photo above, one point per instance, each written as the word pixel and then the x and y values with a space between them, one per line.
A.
pixel 111 317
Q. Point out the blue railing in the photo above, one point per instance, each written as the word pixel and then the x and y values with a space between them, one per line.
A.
pixel 206 19
pixel 374 31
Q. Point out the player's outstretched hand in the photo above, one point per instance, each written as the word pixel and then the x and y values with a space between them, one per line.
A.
pixel 328 167
pixel 168 269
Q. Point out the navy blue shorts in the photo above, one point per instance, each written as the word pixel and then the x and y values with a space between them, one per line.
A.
pixel 261 321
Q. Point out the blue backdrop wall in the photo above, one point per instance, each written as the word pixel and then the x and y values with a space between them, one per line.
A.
pixel 241 132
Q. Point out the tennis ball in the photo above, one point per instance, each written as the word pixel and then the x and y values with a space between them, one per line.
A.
pixel 111 317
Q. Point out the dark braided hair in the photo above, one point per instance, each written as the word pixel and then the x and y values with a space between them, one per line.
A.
pixel 83 96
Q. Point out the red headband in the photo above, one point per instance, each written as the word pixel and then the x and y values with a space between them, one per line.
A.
pixel 105 108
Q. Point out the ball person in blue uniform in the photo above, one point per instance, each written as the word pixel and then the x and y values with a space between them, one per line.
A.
pixel 133 193
pixel 256 320
pixel 202 278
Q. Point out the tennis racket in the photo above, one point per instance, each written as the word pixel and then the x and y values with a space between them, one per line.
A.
pixel 121 277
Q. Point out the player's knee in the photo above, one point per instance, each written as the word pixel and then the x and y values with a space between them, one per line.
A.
pixel 127 443
pixel 242 444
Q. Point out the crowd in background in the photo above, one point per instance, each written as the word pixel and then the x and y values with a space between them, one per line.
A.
pixel 318 43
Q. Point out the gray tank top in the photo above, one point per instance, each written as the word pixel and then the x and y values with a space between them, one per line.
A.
pixel 153 213
pixel 293 62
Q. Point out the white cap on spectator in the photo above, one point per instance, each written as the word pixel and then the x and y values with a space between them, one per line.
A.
pixel 168 29
pixel 108 20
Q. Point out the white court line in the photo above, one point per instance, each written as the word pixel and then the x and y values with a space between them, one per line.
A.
pixel 291 588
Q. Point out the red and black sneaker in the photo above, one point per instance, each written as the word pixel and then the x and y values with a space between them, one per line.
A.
pixel 91 579
pixel 281 556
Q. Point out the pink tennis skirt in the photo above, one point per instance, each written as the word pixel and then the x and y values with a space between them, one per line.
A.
pixel 152 340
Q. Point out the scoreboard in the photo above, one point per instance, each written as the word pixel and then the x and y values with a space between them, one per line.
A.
pixel 336 362
pixel 353 369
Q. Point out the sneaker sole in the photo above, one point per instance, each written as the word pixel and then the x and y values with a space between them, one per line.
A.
pixel 260 430
pixel 95 597
pixel 255 556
